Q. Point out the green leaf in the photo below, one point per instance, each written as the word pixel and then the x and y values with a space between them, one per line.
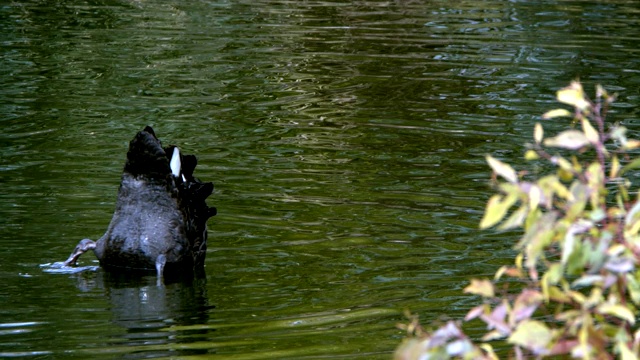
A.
pixel 568 139
pixel 596 215
pixel 568 245
pixel 536 247
pixel 579 193
pixel 554 274
pixel 633 286
pixel 619 133
pixel 630 166
pixel 577 260
pixel 533 335
pixel 502 169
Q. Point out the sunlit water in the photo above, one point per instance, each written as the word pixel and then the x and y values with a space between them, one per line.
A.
pixel 346 141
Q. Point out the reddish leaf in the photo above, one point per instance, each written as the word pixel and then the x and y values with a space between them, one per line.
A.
pixel 526 304
pixel 496 320
pixel 563 347
pixel 475 312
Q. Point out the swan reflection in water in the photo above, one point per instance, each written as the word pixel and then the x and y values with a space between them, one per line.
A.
pixel 156 317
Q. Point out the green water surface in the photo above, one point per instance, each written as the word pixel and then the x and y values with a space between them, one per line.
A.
pixel 346 140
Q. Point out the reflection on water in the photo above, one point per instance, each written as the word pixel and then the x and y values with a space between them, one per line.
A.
pixel 150 312
pixel 346 141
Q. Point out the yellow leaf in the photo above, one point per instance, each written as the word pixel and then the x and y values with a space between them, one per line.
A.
pixel 493 335
pixel 558 295
pixel 619 311
pixel 535 194
pixel 568 315
pixel 590 132
pixel 500 271
pixel 493 212
pixel 556 113
pixel 489 353
pixel 615 167
pixel 531 155
pixel 480 287
pixel 573 95
pixel 537 243
pixel 563 163
pixel 509 271
pixel 496 210
pixel 502 169
pixel 632 215
pixel 633 228
pixel 538 132
pixel 549 279
pixel 600 91
pixel 577 166
pixel 565 175
pixel 595 174
pixel 631 144
pixel 562 190
pixel 568 139
pixel 531 334
pixel 625 352
pixel 518 261
pixel 577 297
pixel 516 219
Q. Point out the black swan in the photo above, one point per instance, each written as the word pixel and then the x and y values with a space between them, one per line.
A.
pixel 160 220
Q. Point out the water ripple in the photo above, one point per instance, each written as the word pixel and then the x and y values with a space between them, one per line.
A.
pixel 346 141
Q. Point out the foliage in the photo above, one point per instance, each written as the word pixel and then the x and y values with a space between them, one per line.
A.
pixel 576 275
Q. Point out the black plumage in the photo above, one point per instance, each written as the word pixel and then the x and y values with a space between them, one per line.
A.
pixel 160 219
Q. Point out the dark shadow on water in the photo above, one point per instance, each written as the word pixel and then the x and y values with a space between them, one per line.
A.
pixel 154 316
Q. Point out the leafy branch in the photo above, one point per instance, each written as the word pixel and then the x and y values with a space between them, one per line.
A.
pixel 577 264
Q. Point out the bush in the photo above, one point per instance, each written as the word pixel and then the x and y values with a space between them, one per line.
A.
pixel 574 287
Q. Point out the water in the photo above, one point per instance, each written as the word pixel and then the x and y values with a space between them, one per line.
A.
pixel 346 141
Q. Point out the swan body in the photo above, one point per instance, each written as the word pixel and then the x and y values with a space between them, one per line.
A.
pixel 160 219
